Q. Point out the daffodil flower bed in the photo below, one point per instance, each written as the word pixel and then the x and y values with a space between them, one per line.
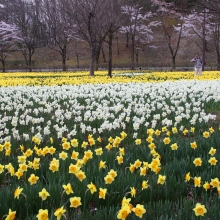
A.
pixel 110 150
pixel 78 78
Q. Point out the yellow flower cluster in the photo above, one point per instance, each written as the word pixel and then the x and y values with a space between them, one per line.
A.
pixel 73 78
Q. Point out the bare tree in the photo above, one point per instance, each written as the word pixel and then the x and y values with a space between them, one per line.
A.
pixel 113 21
pixel 25 14
pixel 59 30
pixel 196 27
pixel 212 5
pixel 135 27
pixel 172 24
pixel 9 37
pixel 89 18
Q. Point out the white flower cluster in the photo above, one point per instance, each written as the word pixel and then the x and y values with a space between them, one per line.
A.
pixel 58 110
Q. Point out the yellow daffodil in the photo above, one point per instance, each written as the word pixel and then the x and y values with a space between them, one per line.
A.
pixel 92 188
pixel 121 151
pixel 110 140
pixel 68 188
pixel 120 159
pixel 7 145
pixel 157 132
pixel 123 135
pixel 161 179
pixel 109 147
pixel 139 210
pixel 22 159
pixel 149 139
pixel 143 171
pixel 199 210
pixel 185 131
pixel 132 168
pixel 66 145
pixel 174 130
pixel 206 134
pixel 73 168
pixel 11 215
pixel 63 155
pixel 59 213
pixel 75 202
pixel 74 155
pixel 150 131
pixel 166 140
pixel 193 145
pixel 197 162
pixel 123 212
pixel 197 181
pixel 206 186
pixel 152 145
pixel 42 214
pixel 17 192
pixel 88 154
pixel 102 193
pixel 99 139
pixel 54 165
pixel 91 141
pixel 215 183
pixel 80 175
pixel 33 179
pixel 144 185
pixel 108 179
pixel 138 141
pixel 211 130
pixel 174 146
pixel 51 150
pixel 192 130
pixel 84 144
pixel 125 201
pixel 99 151
pixel 187 177
pixel 19 174
pixel 213 161
pixel 102 164
pixel 137 163
pixel 2 167
pixel 212 151
pixel 133 191
pixel 74 143
pixel 43 194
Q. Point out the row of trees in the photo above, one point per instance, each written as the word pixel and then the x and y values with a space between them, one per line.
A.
pixel 28 24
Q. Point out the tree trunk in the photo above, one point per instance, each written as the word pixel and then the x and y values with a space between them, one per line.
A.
pixel 218 60
pixel 25 56
pixel 137 57
pixel 77 59
pixel 64 58
pixel 203 40
pixel 103 55
pixel 92 62
pixel 217 44
pixel 3 65
pixel 110 54
pixel 173 62
pixel 132 53
pixel 64 63
pixel 117 43
pixel 98 49
pixel 127 39
pixel 29 60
